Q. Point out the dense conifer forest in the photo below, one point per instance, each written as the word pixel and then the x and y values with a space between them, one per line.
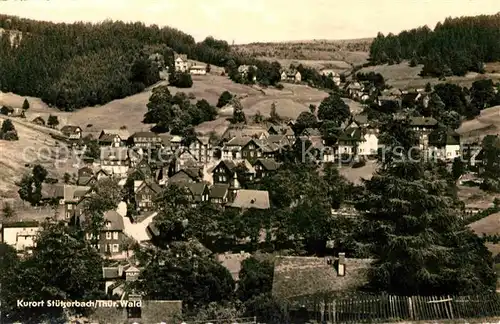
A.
pixel 454 47
pixel 76 65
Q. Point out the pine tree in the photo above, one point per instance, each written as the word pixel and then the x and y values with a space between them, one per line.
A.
pixel 26 104
pixel 420 245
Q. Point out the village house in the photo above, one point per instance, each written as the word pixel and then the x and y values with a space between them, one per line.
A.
pixel 244 69
pixel 38 121
pixel 20 235
pixel 332 74
pixel 113 137
pixel 233 131
pixel 226 170
pixel 72 132
pixel 201 149
pixel 252 150
pixel 198 70
pixel 170 143
pixel 447 148
pixel 231 150
pixel 186 175
pixel 292 275
pixel 355 90
pixel 265 167
pixel 110 240
pixel 368 144
pixel 117 276
pixel 348 142
pixel 285 130
pixel 388 100
pixel 291 75
pixel 87 177
pixel 310 132
pixel 115 161
pixel 199 192
pixel 146 140
pixel 219 193
pixel 423 126
pixel 281 141
pixel 181 63
pixel 145 192
pixel 73 195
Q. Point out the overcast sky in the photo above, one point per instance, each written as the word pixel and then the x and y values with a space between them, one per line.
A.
pixel 259 20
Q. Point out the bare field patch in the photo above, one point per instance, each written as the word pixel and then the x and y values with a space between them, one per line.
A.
pixel 33 147
pixel 129 112
pixel 353 51
pixel 338 66
pixel 403 76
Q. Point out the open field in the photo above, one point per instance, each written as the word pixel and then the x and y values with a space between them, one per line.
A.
pixel 337 66
pixel 487 123
pixel 403 76
pixel 290 102
pixel 35 146
pixel 350 51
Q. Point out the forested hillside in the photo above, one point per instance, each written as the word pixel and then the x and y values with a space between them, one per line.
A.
pixel 75 65
pixel 454 47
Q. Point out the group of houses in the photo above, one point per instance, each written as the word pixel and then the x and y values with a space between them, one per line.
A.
pixel 182 64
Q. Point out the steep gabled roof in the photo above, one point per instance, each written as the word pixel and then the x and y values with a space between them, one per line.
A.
pixel 268 164
pixel 219 190
pixel 115 220
pixel 70 129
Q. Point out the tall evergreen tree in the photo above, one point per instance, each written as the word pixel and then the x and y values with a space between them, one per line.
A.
pixel 420 244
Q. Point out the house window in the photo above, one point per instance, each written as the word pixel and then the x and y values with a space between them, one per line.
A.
pixel 116 248
pixel 221 178
pixel 224 178
pixel 105 248
pixel 108 235
pixel 88 236
pixel 115 235
pixel 252 153
pixel 244 153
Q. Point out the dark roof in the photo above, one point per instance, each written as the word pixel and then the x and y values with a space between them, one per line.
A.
pixel 301 276
pixel 144 134
pixel 230 165
pixel 110 272
pixel 153 185
pixel 197 189
pixel 38 119
pixel 219 190
pixel 268 164
pixel 452 138
pixel 70 129
pixel 107 138
pixel 351 134
pixel 116 221
pixel 85 170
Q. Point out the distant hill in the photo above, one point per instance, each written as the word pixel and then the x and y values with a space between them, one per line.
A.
pixel 81 64
pixel 455 46
pixel 354 51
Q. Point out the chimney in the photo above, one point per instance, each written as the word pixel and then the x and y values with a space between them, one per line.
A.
pixel 341 265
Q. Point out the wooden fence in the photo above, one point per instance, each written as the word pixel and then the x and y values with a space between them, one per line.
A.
pixel 373 309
